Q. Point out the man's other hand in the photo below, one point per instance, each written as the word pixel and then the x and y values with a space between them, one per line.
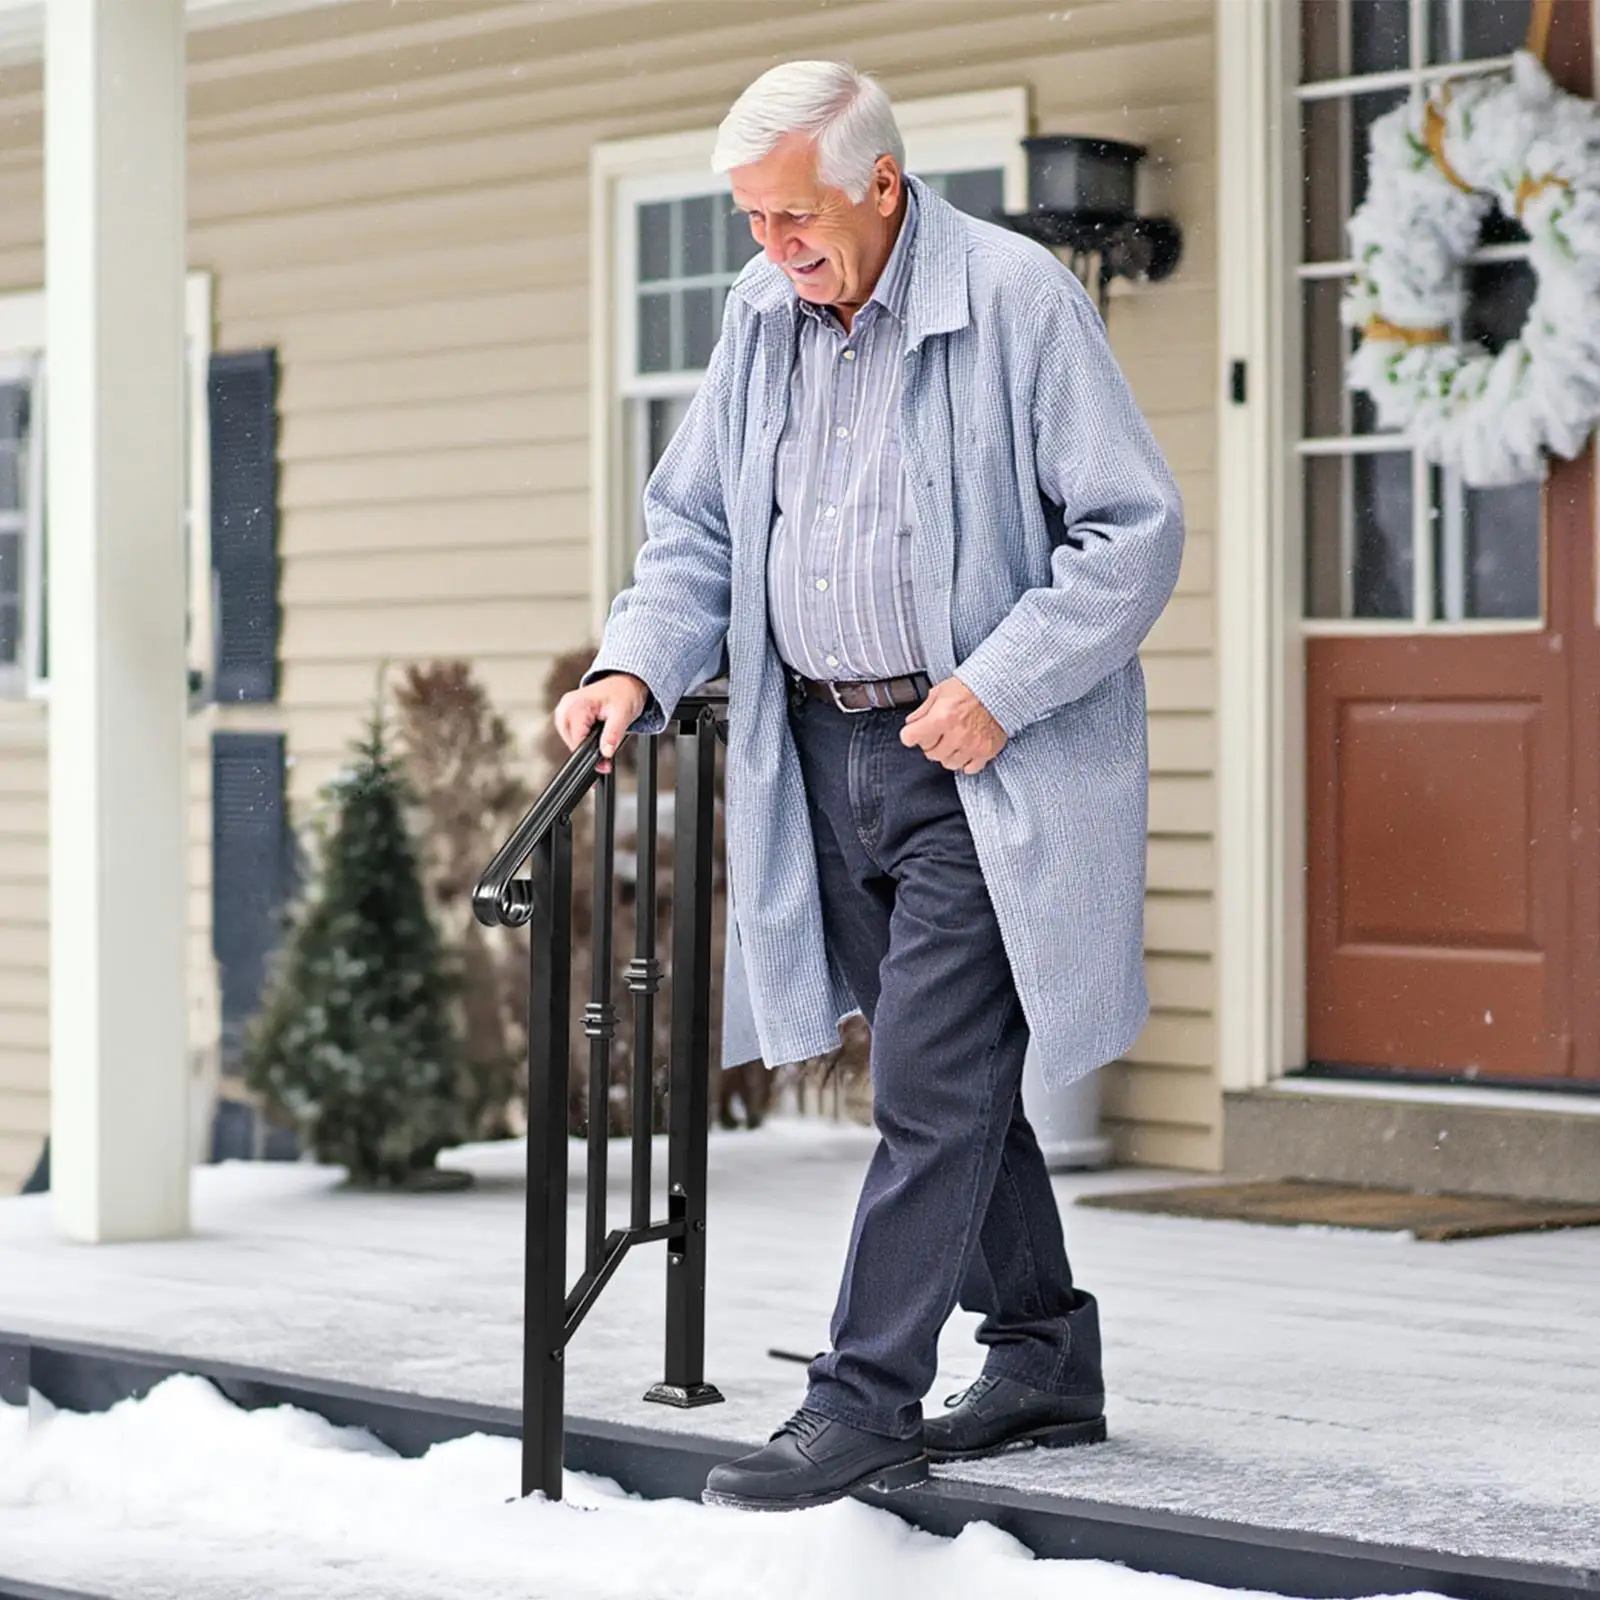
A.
pixel 953 728
pixel 615 702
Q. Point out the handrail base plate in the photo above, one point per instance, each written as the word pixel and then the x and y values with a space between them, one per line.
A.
pixel 686 1397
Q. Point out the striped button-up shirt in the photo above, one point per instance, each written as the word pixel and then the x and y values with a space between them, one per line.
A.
pixel 839 572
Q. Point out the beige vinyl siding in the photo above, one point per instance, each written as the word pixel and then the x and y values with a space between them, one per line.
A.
pixel 25 928
pixel 24 941
pixel 396 198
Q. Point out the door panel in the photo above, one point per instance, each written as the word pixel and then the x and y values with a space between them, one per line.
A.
pixel 1440 904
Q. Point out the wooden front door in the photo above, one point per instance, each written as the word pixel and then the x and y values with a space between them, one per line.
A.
pixel 1452 654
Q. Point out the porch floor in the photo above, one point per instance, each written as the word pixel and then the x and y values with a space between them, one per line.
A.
pixel 1368 1386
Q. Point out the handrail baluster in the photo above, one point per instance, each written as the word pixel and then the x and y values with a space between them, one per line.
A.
pixel 600 1017
pixel 644 978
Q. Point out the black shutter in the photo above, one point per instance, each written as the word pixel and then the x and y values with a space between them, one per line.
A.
pixel 38 1181
pixel 251 869
pixel 243 390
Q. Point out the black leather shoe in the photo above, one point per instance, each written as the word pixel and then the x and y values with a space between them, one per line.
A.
pixel 998 1414
pixel 812 1460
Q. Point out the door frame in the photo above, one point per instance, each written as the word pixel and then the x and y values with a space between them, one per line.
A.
pixel 1261 725
pixel 1261 811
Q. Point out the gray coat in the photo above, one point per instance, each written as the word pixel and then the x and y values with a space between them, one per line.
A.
pixel 1046 542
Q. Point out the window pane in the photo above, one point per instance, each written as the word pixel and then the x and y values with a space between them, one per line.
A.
pixel 1499 295
pixel 1381 512
pixel 1470 30
pixel 699 219
pixel 1487 551
pixel 1345 38
pixel 10 597
pixel 699 328
pixel 13 467
pixel 655 242
pixel 651 425
pixel 1323 358
pixel 1325 536
pixel 13 411
pixel 1365 109
pixel 1358 536
pixel 738 242
pixel 980 193
pixel 655 332
pixel 666 417
pixel 1322 52
pixel 13 446
pixel 1504 548
pixel 1322 188
pixel 1335 136
pixel 1330 409
pixel 1380 35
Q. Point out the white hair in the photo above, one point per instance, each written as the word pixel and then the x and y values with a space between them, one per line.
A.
pixel 844 111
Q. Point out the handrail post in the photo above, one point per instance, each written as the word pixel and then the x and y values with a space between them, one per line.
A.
pixel 689 1093
pixel 545 1275
pixel 543 903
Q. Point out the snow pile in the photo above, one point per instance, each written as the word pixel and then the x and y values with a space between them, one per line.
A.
pixel 182 1494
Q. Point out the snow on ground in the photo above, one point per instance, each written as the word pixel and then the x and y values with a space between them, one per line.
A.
pixel 1367 1386
pixel 183 1495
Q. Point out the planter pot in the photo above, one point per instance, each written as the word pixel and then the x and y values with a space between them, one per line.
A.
pixel 1067 1121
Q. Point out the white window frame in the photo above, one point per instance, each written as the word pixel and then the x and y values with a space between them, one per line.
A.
pixel 21 352
pixel 1418 77
pixel 942 133
pixel 16 677
pixel 22 347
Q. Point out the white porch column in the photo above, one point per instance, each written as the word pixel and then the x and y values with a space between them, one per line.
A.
pixel 114 239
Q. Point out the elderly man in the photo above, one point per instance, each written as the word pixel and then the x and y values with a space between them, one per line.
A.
pixel 915 501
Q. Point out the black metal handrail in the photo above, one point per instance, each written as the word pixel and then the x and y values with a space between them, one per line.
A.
pixel 542 842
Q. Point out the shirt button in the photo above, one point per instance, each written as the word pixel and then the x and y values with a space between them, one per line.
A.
pixel 832 511
pixel 842 433
pixel 822 583
pixel 832 661
pixel 849 355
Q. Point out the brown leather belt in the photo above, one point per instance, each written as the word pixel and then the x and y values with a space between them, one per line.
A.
pixel 880 694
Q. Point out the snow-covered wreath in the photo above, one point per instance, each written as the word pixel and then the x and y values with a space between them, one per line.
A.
pixel 1437 167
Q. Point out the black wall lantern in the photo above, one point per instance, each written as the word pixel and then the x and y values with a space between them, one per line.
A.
pixel 1082 197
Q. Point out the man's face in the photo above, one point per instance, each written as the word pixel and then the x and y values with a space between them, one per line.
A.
pixel 831 248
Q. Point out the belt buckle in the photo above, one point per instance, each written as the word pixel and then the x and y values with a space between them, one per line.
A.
pixel 849 711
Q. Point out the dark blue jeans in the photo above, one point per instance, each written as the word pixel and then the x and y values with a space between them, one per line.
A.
pixel 957 1204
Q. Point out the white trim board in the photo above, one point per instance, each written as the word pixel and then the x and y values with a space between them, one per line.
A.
pixel 1260 827
pixel 943 132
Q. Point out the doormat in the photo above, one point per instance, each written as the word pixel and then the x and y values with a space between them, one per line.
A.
pixel 1436 1218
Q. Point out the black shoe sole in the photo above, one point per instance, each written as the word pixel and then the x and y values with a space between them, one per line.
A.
pixel 1057 1436
pixel 901 1475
